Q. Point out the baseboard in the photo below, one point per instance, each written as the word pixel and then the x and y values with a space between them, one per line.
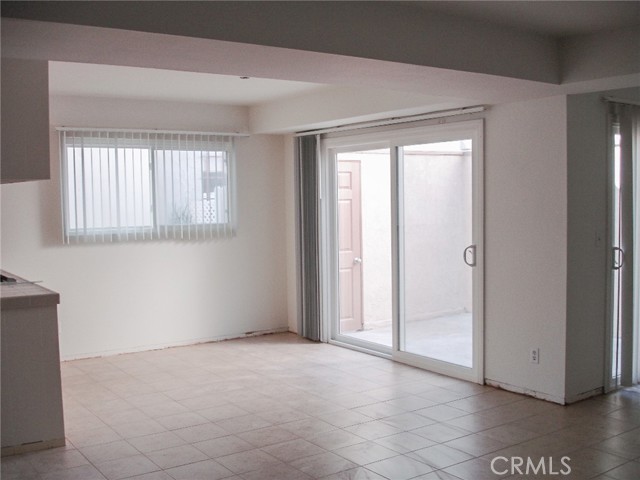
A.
pixel 525 391
pixel 33 447
pixel 583 396
pixel 184 343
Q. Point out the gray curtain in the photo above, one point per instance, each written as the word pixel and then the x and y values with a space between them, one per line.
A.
pixel 308 244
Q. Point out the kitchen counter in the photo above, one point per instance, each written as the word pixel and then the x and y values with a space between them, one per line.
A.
pixel 31 402
pixel 25 294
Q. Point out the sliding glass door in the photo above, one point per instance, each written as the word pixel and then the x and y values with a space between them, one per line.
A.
pixel 405 245
pixel 623 359
pixel 437 253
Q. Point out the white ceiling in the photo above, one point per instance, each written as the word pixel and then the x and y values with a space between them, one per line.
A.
pixel 83 79
pixel 555 18
pixel 170 73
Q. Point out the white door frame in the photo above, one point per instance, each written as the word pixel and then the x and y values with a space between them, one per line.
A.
pixel 392 139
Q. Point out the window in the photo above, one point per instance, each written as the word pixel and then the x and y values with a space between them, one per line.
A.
pixel 137 185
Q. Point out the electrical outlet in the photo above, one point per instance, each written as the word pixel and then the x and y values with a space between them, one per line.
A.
pixel 534 356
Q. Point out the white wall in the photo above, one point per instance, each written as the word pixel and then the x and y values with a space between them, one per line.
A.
pixel 526 245
pixel 290 215
pixel 132 296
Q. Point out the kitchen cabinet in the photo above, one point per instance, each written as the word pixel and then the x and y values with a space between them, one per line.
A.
pixel 25 120
pixel 31 403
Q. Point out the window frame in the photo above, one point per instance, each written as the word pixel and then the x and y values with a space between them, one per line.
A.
pixel 153 141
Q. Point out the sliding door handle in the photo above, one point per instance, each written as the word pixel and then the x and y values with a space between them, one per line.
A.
pixel 617 258
pixel 470 252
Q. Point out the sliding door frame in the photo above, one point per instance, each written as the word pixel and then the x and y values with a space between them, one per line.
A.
pixel 394 138
pixel 442 133
pixel 623 257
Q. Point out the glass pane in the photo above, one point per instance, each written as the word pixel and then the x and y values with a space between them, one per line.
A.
pixel 108 188
pixel 364 231
pixel 616 364
pixel 192 187
pixel 436 217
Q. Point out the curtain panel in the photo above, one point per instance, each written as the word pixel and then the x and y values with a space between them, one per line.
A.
pixel 308 238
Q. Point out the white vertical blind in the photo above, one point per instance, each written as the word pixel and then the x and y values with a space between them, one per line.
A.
pixel 121 185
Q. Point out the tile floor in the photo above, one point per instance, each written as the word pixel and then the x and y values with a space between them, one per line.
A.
pixel 279 407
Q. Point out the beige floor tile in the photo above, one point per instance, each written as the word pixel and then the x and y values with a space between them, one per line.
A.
pixel 404 442
pixel 156 441
pixel 358 473
pixel 408 421
pixel 138 429
pixel 323 464
pixel 162 409
pixel 282 415
pixel 621 446
pixel 109 451
pixel 476 444
pixel 153 476
pixel 222 412
pixel 441 413
pixel 475 469
pixel 476 423
pixel 335 439
pixel 373 430
pixel 590 461
pixel 437 475
pixel 83 472
pixel 18 467
pixel 263 437
pixel 279 472
pixel 93 436
pixel 308 427
pixel 483 401
pixel 628 471
pixel 441 432
pixel 176 456
pixel 244 423
pixel 126 467
pixel 366 452
pixel 509 434
pixel 379 410
pixel 344 418
pixel 199 433
pixel 118 417
pixel 440 456
pixel 412 403
pixel 49 461
pixel 222 446
pixel 247 461
pixel 206 470
pixel 181 420
pixel 400 468
pixel 293 450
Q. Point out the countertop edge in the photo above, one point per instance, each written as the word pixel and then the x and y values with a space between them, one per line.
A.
pixel 25 295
